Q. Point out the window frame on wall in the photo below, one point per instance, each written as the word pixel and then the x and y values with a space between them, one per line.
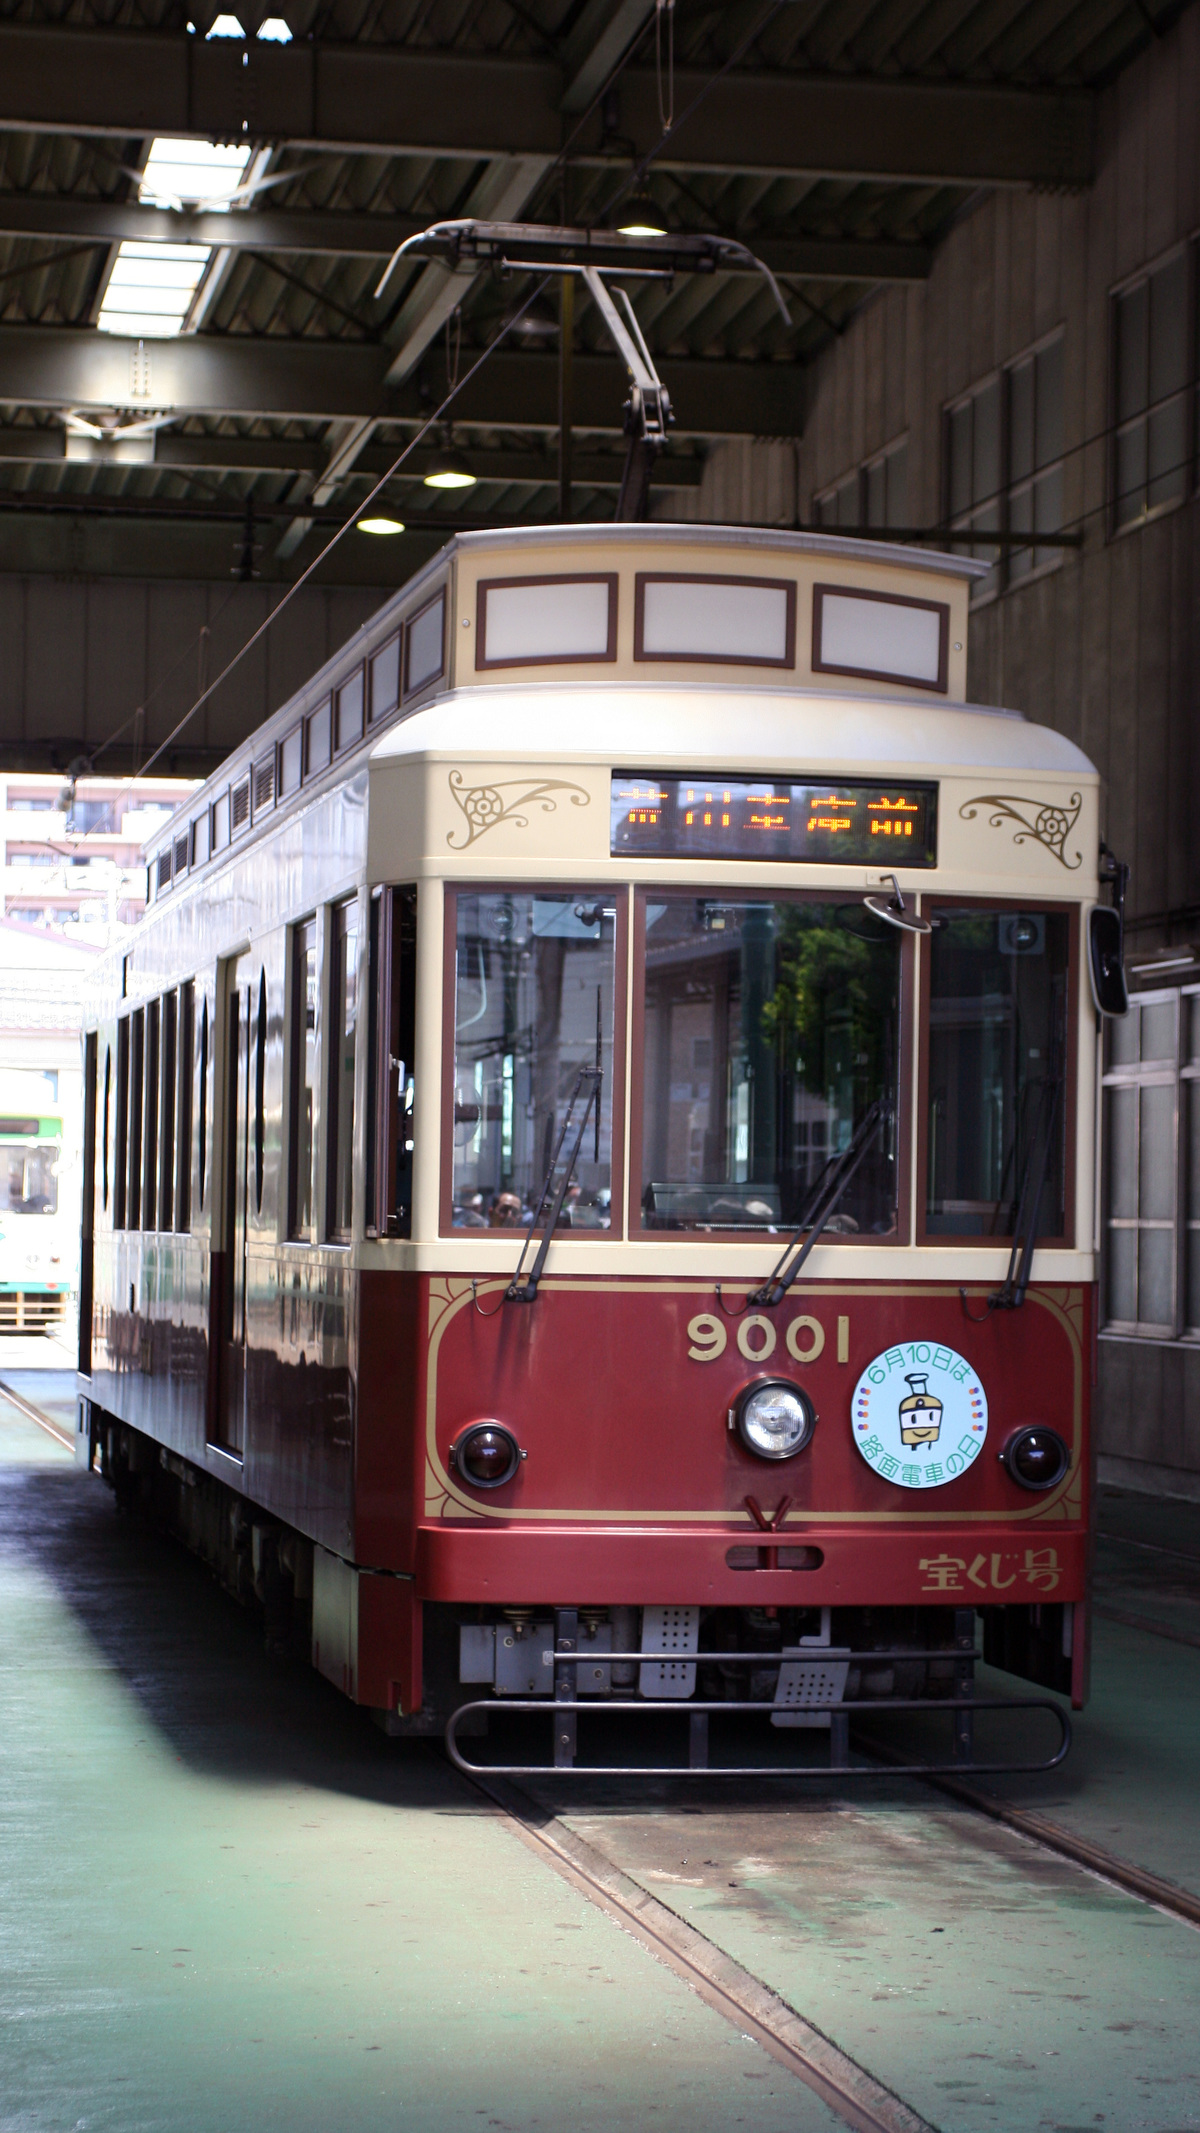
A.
pixel 1123 426
pixel 851 494
pixel 1181 1074
pixel 993 510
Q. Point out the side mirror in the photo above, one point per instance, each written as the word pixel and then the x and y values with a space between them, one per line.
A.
pixel 1106 943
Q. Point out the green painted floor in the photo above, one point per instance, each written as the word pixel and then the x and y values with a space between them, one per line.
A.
pixel 227 1905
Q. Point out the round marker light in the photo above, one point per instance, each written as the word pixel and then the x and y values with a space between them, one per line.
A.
pixel 1036 1458
pixel 487 1455
pixel 774 1419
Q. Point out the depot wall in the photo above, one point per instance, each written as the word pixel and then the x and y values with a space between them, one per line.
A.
pixel 1104 646
pixel 82 654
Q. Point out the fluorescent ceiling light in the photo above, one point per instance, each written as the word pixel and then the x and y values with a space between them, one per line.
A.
pixel 381 525
pixel 225 26
pixel 274 31
pixel 151 287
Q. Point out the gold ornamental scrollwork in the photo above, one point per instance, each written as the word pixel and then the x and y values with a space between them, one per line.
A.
pixel 1045 823
pixel 485 807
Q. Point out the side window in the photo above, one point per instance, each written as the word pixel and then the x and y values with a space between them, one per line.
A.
pixel 106 1127
pixel 185 1041
pixel 150 1119
pixel 343 1034
pixel 121 1128
pixel 166 1130
pixel 391 1037
pixel 260 1091
pixel 303 1057
pixel 137 1070
pixel 202 1072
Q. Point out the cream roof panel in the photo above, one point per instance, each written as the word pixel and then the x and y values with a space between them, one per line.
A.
pixel 728 728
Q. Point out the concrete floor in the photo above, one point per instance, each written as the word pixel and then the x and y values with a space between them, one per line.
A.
pixel 227 1904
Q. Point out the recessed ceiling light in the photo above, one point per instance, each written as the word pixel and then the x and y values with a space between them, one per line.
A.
pixel 274 31
pixel 381 525
pixel 226 26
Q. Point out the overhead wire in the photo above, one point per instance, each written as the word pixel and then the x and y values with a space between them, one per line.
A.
pixel 341 533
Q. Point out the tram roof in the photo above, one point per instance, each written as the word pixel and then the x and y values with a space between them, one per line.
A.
pixel 787 716
pixel 705 724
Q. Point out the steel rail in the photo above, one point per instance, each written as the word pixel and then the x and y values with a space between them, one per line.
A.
pixel 34 1414
pixel 1134 1880
pixel 856 2096
pixel 1128 1620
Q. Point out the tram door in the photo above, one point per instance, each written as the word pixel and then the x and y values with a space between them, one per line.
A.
pixel 231 1405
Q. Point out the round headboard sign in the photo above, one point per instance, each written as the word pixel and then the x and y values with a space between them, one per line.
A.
pixel 919 1415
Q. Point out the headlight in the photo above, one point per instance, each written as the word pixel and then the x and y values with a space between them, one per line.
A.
pixel 774 1419
pixel 487 1455
pixel 1036 1457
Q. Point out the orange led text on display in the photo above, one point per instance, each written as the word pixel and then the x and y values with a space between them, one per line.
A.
pixel 738 818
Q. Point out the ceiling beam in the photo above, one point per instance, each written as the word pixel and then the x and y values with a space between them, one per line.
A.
pixel 333 234
pixel 386 100
pixel 601 36
pixel 280 455
pixel 247 375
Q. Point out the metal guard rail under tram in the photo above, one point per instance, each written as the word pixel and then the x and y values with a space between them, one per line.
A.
pixel 565 1705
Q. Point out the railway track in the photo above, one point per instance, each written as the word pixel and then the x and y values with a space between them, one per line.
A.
pixel 34 1414
pixel 849 2089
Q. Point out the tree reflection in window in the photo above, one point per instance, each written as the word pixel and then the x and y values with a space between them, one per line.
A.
pixel 770 1028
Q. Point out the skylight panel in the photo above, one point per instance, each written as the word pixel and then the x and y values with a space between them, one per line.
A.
pixel 191 171
pixel 151 287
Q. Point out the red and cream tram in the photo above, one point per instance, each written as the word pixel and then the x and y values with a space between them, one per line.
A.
pixel 593 1147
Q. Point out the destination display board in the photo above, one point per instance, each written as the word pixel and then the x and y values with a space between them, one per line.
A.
pixel 839 822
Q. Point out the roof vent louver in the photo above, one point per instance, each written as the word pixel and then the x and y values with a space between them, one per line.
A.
pixel 163 877
pixel 240 799
pixel 181 854
pixel 264 783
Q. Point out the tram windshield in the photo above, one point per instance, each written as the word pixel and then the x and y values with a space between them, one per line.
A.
pixel 770 1028
pixel 997 1058
pixel 29 1179
pixel 533 1001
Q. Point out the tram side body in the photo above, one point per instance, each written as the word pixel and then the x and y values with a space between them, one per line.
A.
pixel 634 1490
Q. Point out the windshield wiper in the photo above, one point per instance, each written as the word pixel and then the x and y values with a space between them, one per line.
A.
pixel 1026 1225
pixel 821 1206
pixel 552 1195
